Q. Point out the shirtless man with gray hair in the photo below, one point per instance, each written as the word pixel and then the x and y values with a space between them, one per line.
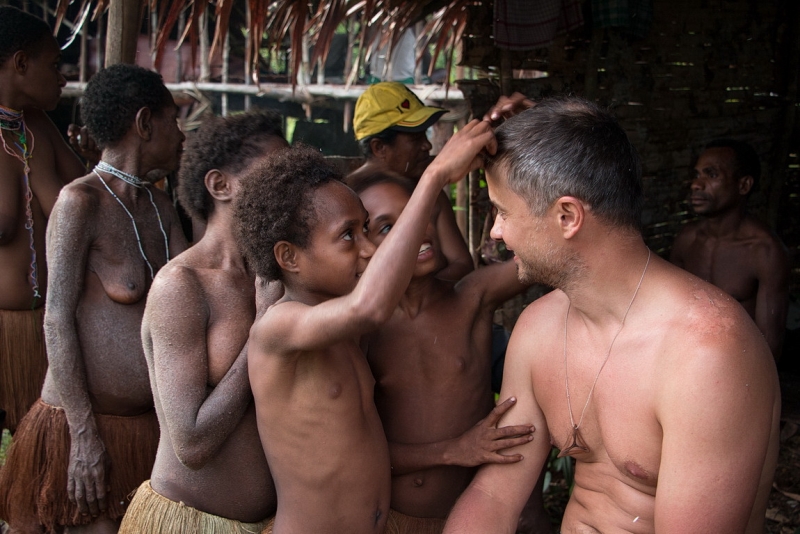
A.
pixel 657 383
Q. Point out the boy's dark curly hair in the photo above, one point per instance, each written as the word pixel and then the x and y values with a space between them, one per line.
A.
pixel 21 31
pixel 275 203
pixel 225 143
pixel 113 97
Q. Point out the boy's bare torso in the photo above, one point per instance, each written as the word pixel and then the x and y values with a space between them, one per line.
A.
pixel 235 482
pixel 433 367
pixel 322 436
pixel 615 482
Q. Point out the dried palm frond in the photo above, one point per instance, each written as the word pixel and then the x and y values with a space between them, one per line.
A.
pixel 379 23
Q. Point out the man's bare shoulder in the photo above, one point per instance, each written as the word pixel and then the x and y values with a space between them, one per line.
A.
pixel 762 236
pixel 693 316
pixel 542 321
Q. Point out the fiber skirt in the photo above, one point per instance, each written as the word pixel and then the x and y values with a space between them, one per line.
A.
pixel 33 482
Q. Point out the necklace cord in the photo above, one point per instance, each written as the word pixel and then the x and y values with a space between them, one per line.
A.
pixel 622 324
pixel 137 182
pixel 14 121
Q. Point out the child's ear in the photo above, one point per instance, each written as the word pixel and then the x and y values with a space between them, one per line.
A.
pixel 286 256
pixel 218 185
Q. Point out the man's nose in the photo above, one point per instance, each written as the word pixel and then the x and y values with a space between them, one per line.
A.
pixel 496 232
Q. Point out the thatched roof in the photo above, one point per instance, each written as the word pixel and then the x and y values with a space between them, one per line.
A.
pixel 310 24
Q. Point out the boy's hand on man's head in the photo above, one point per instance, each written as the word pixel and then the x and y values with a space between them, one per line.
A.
pixel 508 106
pixel 462 153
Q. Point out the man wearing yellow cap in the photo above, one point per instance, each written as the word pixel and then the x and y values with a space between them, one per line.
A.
pixel 390 124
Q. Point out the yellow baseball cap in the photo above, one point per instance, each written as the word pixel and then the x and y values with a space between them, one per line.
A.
pixel 392 105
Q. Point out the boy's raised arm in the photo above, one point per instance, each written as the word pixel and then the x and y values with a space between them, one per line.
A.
pixel 299 327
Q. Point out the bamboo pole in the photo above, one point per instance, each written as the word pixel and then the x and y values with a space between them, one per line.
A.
pixel 284 91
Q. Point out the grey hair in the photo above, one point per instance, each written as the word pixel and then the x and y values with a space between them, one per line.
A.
pixel 571 147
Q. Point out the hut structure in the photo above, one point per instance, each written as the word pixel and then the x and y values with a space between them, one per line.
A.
pixel 677 73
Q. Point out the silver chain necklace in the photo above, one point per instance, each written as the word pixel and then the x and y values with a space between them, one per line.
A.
pixel 137 182
pixel 577 445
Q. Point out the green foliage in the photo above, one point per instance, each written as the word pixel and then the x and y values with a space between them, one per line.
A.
pixel 564 465
pixel 5 442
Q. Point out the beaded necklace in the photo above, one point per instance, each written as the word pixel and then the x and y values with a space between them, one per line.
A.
pixel 13 121
pixel 137 182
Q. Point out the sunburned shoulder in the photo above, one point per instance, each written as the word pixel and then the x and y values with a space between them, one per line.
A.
pixel 698 316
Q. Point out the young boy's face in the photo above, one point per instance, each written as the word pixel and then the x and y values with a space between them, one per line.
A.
pixel 385 202
pixel 340 249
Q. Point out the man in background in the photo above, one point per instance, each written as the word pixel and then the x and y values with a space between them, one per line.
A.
pixel 730 248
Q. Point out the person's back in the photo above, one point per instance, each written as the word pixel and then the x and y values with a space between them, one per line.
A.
pixel 34 164
pixel 210 468
pixel 312 385
pixel 730 248
pixel 657 383
pixel 431 361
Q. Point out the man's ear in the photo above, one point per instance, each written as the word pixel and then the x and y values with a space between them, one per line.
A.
pixel 745 185
pixel 143 122
pixel 286 256
pixel 377 147
pixel 218 185
pixel 571 215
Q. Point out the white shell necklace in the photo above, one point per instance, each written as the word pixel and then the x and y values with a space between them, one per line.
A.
pixel 137 182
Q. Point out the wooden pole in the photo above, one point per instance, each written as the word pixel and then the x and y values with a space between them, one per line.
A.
pixel 226 54
pixel 83 66
pixel 124 19
pixel 247 56
pixel 205 68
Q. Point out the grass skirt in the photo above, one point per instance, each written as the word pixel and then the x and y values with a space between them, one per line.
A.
pixel 33 482
pixel 405 524
pixel 23 362
pixel 152 513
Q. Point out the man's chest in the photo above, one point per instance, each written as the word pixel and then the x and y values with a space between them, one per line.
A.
pixel 616 420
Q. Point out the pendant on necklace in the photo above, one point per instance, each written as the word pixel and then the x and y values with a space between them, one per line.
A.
pixel 576 446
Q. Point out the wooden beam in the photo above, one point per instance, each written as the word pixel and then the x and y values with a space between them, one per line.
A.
pixel 309 93
pixel 124 21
